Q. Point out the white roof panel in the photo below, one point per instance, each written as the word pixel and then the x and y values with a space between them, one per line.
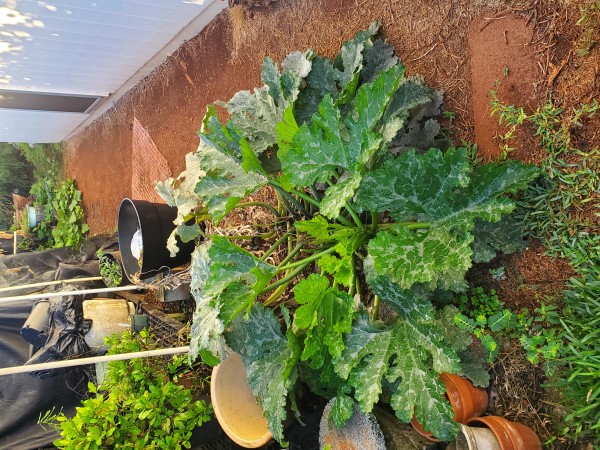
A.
pixel 88 47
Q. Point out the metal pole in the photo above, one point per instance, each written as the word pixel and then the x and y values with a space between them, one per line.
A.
pixel 17 298
pixel 49 283
pixel 92 360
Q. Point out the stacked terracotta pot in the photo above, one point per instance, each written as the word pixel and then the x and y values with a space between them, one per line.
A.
pixel 480 433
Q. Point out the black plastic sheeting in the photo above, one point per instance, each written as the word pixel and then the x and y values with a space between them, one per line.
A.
pixel 65 338
pixel 23 397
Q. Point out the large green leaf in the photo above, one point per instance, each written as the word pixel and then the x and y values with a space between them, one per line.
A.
pixel 256 114
pixel 333 145
pixel 223 181
pixel 270 362
pixel 441 187
pixel 235 278
pixel 325 314
pixel 400 351
pixel 440 257
pixel 416 186
pixel 207 327
pixel 225 282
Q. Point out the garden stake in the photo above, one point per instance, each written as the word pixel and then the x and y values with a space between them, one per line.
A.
pixel 17 298
pixel 49 283
pixel 92 360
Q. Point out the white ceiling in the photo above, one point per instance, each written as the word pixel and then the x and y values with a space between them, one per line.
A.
pixel 85 47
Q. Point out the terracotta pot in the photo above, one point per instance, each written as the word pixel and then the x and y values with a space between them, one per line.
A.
pixel 510 435
pixel 467 401
pixel 235 407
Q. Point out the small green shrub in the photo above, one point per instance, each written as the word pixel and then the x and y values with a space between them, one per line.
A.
pixel 110 270
pixel 140 404
pixel 46 159
pixel 539 333
pixel 482 315
pixel 63 225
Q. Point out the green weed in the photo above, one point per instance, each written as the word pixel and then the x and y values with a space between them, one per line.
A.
pixel 563 209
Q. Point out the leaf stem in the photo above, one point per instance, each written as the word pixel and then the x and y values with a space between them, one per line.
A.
pixel 345 221
pixel 354 215
pixel 309 259
pixel 288 198
pixel 374 221
pixel 277 293
pixel 284 280
pixel 263 204
pixel 273 247
pixel 352 289
pixel 376 307
pixel 302 195
pixel 292 253
pixel 409 225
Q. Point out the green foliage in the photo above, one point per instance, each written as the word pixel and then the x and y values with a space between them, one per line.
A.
pixel 491 238
pixel 270 362
pixel 140 405
pixel 46 159
pixel 15 176
pixel 339 132
pixel 325 314
pixel 110 270
pixel 582 357
pixel 561 209
pixel 367 359
pixel 70 229
pixel 483 314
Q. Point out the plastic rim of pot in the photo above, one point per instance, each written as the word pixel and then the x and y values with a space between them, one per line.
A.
pixel 240 417
pixel 154 221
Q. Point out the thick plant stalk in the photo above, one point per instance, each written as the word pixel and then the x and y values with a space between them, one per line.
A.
pixel 95 359
pixel 17 298
pixel 49 283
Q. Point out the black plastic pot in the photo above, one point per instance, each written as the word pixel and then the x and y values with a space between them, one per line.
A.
pixel 155 222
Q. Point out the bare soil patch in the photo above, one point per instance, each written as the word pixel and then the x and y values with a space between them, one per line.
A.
pixel 504 59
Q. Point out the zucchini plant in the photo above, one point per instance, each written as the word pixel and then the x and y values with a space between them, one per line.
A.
pixel 375 212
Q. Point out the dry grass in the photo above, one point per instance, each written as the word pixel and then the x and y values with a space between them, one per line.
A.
pixel 517 393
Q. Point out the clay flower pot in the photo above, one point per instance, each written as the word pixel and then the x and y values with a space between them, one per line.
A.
pixel 467 401
pixel 235 408
pixel 510 435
